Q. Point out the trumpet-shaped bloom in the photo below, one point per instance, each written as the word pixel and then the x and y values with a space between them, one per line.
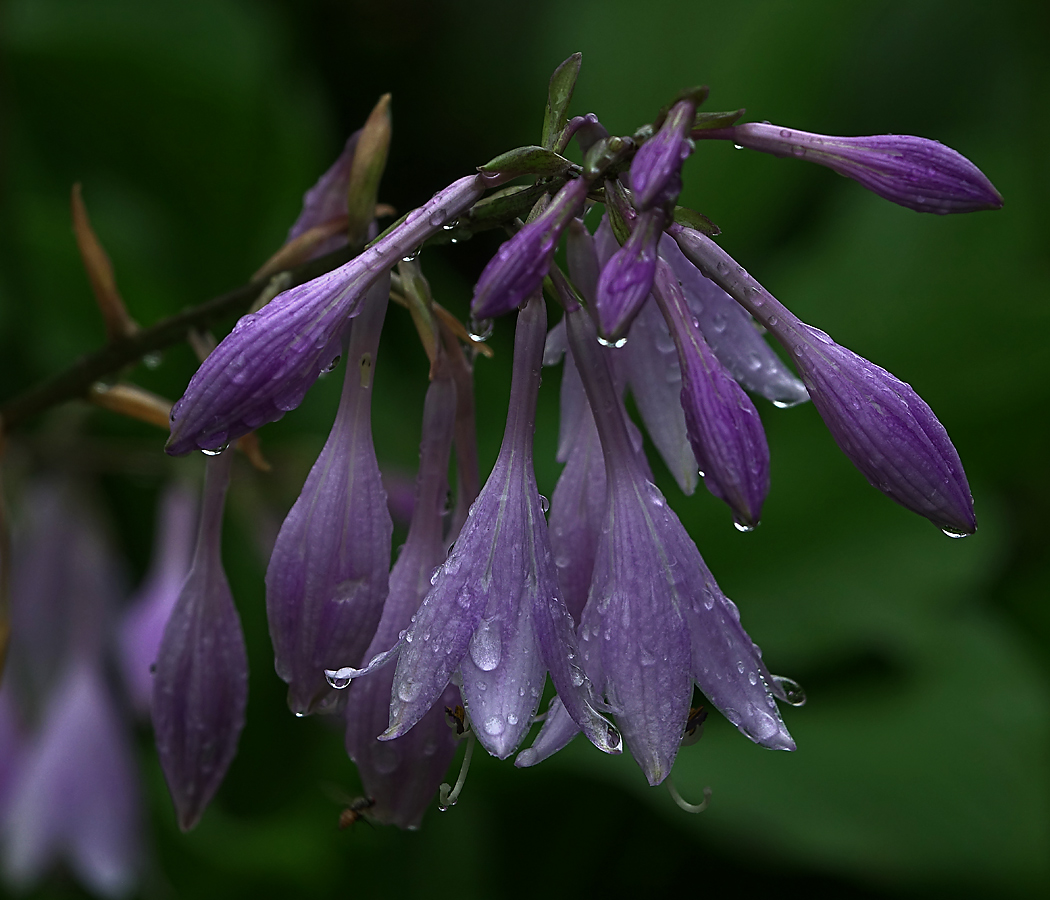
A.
pixel 402 775
pixel 885 428
pixel 142 625
pixel 328 575
pixel 495 614
pixel 200 689
pixel 264 367
pixel 655 620
pixel 724 428
pixel 516 271
pixel 915 172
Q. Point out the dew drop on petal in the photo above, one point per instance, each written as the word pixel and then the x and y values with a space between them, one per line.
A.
pixel 485 645
pixel 793 691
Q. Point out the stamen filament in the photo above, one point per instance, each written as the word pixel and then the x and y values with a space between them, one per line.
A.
pixel 447 799
pixel 684 804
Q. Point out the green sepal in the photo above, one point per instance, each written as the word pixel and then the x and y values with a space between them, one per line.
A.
pixel 559 94
pixel 690 218
pixel 531 160
pixel 619 208
pixel 606 154
pixel 705 121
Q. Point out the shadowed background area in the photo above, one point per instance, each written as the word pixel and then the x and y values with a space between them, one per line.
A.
pixel 922 766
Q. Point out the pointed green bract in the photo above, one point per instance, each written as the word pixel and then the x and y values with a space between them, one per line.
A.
pixel 558 96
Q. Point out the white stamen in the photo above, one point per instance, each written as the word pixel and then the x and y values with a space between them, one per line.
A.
pixel 688 807
pixel 446 798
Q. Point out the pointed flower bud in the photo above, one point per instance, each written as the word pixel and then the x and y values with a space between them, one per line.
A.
pixel 656 168
pixel 495 613
pixel 655 620
pixel 142 625
pixel 75 796
pixel 265 366
pixel 327 577
pixel 724 427
pixel 200 689
pixel 327 200
pixel 915 172
pixel 402 776
pixel 878 421
pixel 627 278
pixel 516 272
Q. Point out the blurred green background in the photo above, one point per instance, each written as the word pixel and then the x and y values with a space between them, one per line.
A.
pixel 922 766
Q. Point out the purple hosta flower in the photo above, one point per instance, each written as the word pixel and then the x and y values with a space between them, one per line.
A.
pixel 200 688
pixel 627 277
pixel 265 366
pixel 517 270
pixel 327 200
pixel 75 795
pixel 494 613
pixel 732 334
pixel 656 168
pixel 328 574
pixel 723 425
pixel 881 424
pixel 143 623
pixel 401 776
pixel 915 172
pixel 655 620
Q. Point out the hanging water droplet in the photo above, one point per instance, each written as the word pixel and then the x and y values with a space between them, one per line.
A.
pixel 481 329
pixel 331 366
pixel 616 345
pixel 545 504
pixel 792 690
pixel 738 146
pixel 952 533
pixel 338 678
pixel 411 256
pixel 299 715
pixel 215 451
pixel 741 526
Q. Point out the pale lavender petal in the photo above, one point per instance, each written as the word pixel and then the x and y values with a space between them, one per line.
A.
pixel 402 775
pixel 328 574
pixel 557 731
pixel 76 798
pixel 200 690
pixel 517 270
pixel 732 334
pixel 915 172
pixel 265 366
pixel 881 424
pixel 581 254
pixel 724 427
pixel 143 622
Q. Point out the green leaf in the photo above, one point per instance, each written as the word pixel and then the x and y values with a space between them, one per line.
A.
pixel 558 96
pixel 690 218
pixel 708 120
pixel 530 160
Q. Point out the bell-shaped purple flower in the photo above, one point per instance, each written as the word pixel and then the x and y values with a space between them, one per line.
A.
pixel 495 614
pixel 328 574
pixel 402 775
pixel 885 428
pixel 200 688
pixel 327 200
pixel 142 625
pixel 656 168
pixel 655 620
pixel 724 427
pixel 627 278
pixel 915 172
pixel 265 366
pixel 517 270
pixel 75 796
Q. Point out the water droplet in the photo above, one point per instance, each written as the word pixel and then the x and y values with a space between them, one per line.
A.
pixel 952 533
pixel 331 366
pixel 409 690
pixel 616 345
pixel 740 667
pixel 494 726
pixel 738 146
pixel 545 504
pixel 792 690
pixel 740 526
pixel 299 715
pixel 732 715
pixel 338 678
pixel 481 330
pixel 152 360
pixel 752 677
pixel 512 719
pixel 215 451
pixel 485 645
pixel 447 227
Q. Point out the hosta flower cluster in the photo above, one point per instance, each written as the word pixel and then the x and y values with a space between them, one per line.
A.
pixel 602 600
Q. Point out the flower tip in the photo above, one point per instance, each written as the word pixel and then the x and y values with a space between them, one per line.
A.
pixel 526 758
